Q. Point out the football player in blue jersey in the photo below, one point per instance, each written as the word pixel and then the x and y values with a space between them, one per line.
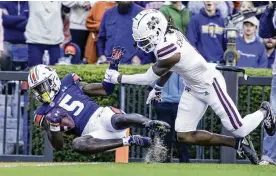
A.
pixel 67 107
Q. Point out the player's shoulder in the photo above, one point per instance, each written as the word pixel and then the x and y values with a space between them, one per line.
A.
pixel 70 79
pixel 165 48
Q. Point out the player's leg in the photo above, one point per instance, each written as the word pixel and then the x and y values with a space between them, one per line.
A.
pixel 190 111
pixel 89 145
pixel 114 119
pixel 103 140
pixel 225 108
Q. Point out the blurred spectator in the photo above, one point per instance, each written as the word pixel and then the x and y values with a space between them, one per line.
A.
pixel 178 14
pixel 44 31
pixel 78 13
pixel 66 30
pixel 1 35
pixel 116 30
pixel 267 23
pixel 93 25
pixel 166 110
pixel 270 44
pixel 244 5
pixel 14 19
pixel 252 51
pixel 267 30
pixel 150 4
pixel 206 32
pixel 72 54
pixel 225 7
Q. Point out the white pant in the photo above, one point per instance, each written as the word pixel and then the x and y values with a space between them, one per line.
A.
pixel 99 125
pixel 193 105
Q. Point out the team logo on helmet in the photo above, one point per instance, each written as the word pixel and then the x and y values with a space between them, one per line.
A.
pixel 154 21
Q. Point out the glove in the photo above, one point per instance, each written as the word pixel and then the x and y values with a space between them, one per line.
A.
pixel 111 76
pixel 56 116
pixel 117 54
pixel 155 94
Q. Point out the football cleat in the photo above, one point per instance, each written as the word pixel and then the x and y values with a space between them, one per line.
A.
pixel 269 120
pixel 140 141
pixel 156 125
pixel 246 148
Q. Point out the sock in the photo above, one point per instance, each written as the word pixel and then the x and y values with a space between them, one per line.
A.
pixel 237 143
pixel 249 123
pixel 126 141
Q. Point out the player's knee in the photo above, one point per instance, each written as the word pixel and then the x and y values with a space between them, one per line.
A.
pixel 184 137
pixel 78 144
pixel 240 132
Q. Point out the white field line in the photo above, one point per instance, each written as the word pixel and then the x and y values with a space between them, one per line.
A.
pixel 41 164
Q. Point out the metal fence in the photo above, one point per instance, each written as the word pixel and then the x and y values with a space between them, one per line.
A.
pixel 16 130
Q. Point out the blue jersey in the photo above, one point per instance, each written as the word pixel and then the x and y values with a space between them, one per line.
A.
pixel 73 100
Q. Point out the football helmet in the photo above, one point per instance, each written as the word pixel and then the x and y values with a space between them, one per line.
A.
pixel 148 29
pixel 44 83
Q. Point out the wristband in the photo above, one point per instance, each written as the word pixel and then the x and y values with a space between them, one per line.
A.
pixel 54 128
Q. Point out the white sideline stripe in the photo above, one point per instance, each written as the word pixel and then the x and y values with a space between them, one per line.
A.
pixel 9 165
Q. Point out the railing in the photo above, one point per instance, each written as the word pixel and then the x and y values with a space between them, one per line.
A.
pixel 16 134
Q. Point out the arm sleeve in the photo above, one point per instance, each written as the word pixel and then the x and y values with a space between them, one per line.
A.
pixel 102 36
pixel 263 61
pixel 11 21
pixel 91 24
pixel 71 4
pixel 192 32
pixel 140 79
pixel 266 27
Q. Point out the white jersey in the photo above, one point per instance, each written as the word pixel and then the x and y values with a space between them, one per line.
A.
pixel 196 72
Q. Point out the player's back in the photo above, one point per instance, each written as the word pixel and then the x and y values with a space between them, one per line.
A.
pixel 72 99
pixel 192 66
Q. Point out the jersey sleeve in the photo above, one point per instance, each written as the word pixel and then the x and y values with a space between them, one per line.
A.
pixel 39 115
pixel 70 79
pixel 166 50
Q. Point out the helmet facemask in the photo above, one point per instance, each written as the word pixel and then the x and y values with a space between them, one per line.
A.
pixel 147 44
pixel 45 91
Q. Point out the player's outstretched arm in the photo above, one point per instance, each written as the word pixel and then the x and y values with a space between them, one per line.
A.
pixel 55 137
pixel 93 89
pixel 159 69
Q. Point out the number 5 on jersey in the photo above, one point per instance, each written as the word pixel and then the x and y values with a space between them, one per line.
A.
pixel 76 106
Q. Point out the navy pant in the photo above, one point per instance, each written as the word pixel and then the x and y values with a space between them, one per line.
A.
pixel 80 37
pixel 167 112
pixel 36 51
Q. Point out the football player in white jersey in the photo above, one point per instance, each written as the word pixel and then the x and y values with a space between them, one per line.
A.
pixel 205 86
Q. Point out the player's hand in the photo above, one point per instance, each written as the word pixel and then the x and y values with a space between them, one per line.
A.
pixel 155 94
pixel 117 54
pixel 111 76
pixel 56 116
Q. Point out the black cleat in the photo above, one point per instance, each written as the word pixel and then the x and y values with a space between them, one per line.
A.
pixel 269 120
pixel 140 141
pixel 246 148
pixel 156 125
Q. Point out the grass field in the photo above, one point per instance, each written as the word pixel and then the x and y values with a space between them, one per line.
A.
pixel 133 169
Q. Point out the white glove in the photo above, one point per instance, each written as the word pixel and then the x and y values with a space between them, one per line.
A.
pixel 102 60
pixel 111 76
pixel 155 94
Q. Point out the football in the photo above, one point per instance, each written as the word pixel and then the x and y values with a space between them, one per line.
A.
pixel 67 123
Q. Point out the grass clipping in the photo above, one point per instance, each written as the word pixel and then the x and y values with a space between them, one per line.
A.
pixel 157 153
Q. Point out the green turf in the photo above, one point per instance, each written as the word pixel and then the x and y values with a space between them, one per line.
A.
pixel 110 169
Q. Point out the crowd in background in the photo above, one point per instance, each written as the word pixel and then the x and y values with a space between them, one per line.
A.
pixel 83 32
